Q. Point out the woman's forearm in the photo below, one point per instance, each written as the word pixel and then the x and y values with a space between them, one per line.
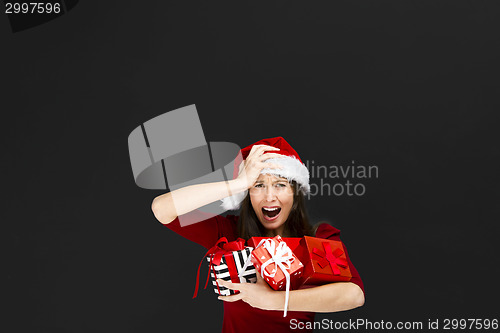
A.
pixel 168 206
pixel 331 297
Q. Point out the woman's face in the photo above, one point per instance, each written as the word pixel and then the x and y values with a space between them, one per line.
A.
pixel 272 200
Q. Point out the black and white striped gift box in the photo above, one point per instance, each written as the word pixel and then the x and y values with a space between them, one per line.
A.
pixel 222 271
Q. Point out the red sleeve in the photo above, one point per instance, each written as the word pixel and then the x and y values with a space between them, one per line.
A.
pixel 207 232
pixel 328 232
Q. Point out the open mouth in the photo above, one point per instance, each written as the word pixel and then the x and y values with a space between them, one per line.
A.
pixel 271 213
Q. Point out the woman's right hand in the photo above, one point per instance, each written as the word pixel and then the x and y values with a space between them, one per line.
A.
pixel 249 169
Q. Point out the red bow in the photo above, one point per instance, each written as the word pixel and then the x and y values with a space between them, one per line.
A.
pixel 330 258
pixel 220 248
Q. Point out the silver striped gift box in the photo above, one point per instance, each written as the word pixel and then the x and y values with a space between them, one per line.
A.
pixel 222 271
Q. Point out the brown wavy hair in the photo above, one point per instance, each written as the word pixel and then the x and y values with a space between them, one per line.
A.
pixel 296 225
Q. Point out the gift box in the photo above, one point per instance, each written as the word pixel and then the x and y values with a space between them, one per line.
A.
pixel 273 254
pixel 276 263
pixel 326 262
pixel 226 261
pixel 292 242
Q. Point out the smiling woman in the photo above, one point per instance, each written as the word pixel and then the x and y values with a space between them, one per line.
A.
pixel 269 186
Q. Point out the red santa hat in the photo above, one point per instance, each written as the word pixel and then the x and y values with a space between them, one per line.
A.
pixel 293 169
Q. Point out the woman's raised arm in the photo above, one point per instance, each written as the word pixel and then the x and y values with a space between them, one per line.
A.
pixel 168 206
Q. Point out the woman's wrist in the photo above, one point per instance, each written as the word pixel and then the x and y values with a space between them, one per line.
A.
pixel 278 300
pixel 237 185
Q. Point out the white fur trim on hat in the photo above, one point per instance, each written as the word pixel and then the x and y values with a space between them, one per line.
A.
pixel 233 202
pixel 292 169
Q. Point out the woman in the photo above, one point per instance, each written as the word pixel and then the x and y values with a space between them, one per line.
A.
pixel 270 187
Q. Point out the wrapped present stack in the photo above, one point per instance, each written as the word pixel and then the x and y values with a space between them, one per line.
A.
pixel 284 263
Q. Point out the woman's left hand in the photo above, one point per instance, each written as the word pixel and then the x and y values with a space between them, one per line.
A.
pixel 258 295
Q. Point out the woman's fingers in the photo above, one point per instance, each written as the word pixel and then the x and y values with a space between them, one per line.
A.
pixel 252 151
pixel 266 149
pixel 254 163
pixel 231 298
pixel 268 156
pixel 265 165
pixel 258 150
pixel 232 286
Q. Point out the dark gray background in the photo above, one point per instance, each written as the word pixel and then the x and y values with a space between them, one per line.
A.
pixel 411 87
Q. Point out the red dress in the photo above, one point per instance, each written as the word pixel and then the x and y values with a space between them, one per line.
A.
pixel 239 316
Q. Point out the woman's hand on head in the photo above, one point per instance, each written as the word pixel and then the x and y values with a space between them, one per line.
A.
pixel 249 169
pixel 258 295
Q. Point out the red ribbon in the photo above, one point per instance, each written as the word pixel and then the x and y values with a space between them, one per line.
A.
pixel 331 258
pixel 220 248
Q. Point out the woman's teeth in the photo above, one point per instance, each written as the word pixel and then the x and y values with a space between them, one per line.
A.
pixel 270 213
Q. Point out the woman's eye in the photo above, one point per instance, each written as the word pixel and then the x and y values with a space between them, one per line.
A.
pixel 259 185
pixel 281 185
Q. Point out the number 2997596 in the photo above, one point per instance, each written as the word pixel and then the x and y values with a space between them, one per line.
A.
pixel 32 8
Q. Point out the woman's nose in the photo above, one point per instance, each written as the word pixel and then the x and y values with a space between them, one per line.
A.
pixel 270 194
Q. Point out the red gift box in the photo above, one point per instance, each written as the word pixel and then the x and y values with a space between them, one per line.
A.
pixel 327 261
pixel 295 245
pixel 273 274
pixel 276 263
pixel 292 242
